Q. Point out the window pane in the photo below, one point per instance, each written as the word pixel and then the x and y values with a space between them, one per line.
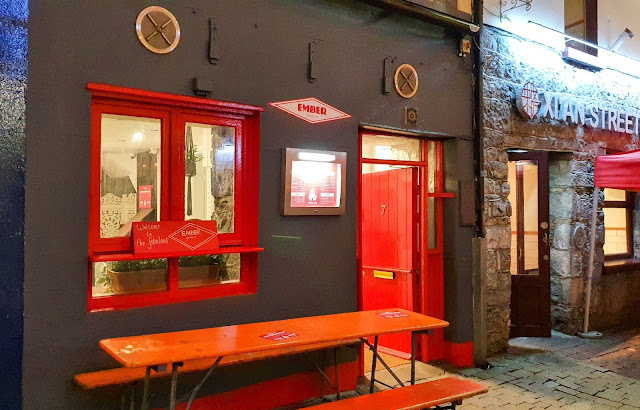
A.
pixel 530 191
pixel 432 166
pixel 208 270
pixel 210 160
pixel 130 173
pixel 128 277
pixel 615 194
pixel 615 230
pixel 394 148
pixel 432 239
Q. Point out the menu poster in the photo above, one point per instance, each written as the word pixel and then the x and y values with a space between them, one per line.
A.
pixel 144 197
pixel 315 184
pixel 174 238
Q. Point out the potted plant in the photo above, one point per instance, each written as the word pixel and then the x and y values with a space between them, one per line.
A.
pixel 137 276
pixel 150 275
pixel 201 270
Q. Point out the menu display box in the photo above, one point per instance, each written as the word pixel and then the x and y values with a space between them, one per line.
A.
pixel 314 182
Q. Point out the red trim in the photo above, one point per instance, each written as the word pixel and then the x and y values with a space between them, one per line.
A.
pixel 174 111
pixel 279 392
pixel 459 354
pixel 158 98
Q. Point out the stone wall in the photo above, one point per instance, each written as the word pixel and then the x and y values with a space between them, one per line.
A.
pixel 13 88
pixel 510 61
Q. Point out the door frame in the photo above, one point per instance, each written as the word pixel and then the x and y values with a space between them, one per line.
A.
pixel 543 279
pixel 429 301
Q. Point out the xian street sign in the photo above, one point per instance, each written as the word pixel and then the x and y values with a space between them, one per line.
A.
pixel 311 110
pixel 533 104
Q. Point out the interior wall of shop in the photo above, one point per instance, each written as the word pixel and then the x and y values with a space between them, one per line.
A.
pixel 13 85
pixel 263 58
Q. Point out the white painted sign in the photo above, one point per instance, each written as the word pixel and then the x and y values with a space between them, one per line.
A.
pixel 311 110
pixel 533 103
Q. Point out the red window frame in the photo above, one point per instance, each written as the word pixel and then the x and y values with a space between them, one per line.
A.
pixel 174 111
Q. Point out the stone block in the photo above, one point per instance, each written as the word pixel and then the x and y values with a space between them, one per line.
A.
pixel 560 204
pixel 560 262
pixel 12 103
pixel 504 261
pixel 561 236
pixel 492 261
pixel 492 187
pixel 497 207
pixel 498 298
pixel 496 169
pixel 557 179
pixel 580 179
pixel 582 207
pixel 493 137
pixel 497 114
pixel 498 237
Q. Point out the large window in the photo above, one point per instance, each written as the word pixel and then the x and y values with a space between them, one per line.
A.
pixel 161 157
pixel 618 223
pixel 581 21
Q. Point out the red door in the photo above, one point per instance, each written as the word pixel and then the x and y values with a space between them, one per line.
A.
pixel 389 247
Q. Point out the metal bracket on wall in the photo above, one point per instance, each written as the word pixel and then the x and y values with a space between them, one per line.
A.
pixel 214 47
pixel 313 71
pixel 387 75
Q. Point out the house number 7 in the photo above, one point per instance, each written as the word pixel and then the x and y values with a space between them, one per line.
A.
pixel 384 207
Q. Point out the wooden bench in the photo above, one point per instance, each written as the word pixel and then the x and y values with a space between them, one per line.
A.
pixel 131 375
pixel 420 396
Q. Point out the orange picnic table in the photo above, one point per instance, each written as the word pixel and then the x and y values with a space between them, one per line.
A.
pixel 158 350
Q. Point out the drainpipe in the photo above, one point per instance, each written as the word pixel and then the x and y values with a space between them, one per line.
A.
pixel 480 337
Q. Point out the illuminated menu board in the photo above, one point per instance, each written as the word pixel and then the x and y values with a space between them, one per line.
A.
pixel 314 182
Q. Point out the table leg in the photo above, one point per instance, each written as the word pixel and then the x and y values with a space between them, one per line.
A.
pixel 373 363
pixel 145 390
pixel 335 362
pixel 414 336
pixel 206 376
pixel 174 385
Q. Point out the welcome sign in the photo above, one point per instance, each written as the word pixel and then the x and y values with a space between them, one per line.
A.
pixel 532 104
pixel 174 237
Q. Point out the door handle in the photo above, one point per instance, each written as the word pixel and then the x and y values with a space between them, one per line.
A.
pixel 545 239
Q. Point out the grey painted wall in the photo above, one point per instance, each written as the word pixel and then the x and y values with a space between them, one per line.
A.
pixel 263 59
pixel 13 86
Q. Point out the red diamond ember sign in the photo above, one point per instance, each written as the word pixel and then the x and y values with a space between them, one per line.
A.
pixel 174 237
pixel 311 110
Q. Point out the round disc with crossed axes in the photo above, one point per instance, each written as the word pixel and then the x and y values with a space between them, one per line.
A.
pixel 158 30
pixel 406 81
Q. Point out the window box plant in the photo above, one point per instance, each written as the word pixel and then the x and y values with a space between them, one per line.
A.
pixel 150 275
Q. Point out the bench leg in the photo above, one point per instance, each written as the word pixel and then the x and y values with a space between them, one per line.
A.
pixel 414 336
pixel 132 395
pixel 192 396
pixel 373 363
pixel 374 348
pixel 174 385
pixel 145 390
pixel 337 369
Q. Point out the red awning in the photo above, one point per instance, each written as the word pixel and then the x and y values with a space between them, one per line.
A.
pixel 619 171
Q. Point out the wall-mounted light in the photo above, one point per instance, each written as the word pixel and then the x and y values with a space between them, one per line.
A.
pixel 621 39
pixel 314 156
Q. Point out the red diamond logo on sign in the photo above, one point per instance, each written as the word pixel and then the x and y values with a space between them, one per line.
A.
pixel 193 236
pixel 311 110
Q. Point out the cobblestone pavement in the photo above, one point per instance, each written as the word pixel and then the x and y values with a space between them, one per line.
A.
pixel 547 373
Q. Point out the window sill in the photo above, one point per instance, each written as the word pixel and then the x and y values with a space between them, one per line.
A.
pixel 108 257
pixel 621 266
